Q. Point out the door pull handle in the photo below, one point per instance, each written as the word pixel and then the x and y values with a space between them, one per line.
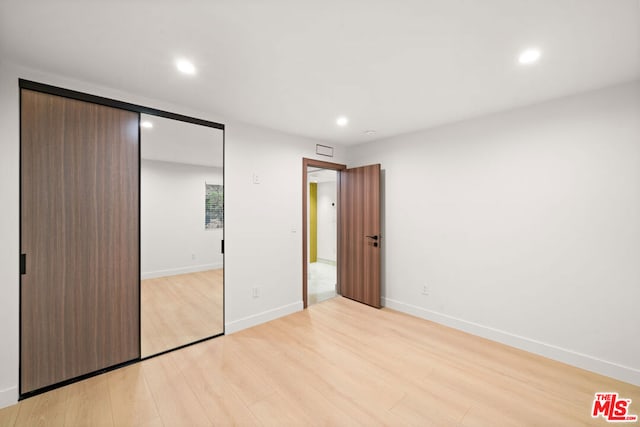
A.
pixel 23 263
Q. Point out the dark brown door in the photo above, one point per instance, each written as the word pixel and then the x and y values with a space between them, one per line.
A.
pixel 359 237
pixel 79 233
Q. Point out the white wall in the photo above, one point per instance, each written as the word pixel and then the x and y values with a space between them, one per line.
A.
pixel 524 225
pixel 9 236
pixel 173 237
pixel 263 221
pixel 327 221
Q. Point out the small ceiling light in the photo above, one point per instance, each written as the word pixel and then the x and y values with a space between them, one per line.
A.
pixel 370 132
pixel 529 56
pixel 342 121
pixel 146 124
pixel 185 66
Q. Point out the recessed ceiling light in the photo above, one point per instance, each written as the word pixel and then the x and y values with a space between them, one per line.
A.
pixel 529 56
pixel 342 121
pixel 146 124
pixel 185 66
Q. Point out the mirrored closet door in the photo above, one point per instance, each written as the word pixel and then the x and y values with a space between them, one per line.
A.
pixel 181 232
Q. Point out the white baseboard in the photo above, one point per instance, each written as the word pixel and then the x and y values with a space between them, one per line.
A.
pixel 265 316
pixel 180 270
pixel 584 361
pixel 8 397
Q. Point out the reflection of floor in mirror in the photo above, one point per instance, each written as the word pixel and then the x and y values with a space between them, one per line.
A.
pixel 181 309
pixel 321 281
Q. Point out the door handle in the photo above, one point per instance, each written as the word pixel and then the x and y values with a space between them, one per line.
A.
pixel 23 263
pixel 374 237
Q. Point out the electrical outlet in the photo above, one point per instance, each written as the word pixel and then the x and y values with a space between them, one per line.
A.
pixel 425 290
pixel 255 292
pixel 193 256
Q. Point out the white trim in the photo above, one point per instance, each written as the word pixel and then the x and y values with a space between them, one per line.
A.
pixel 181 270
pixel 265 316
pixel 580 360
pixel 8 397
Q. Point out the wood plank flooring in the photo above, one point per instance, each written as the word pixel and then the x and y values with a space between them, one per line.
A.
pixel 336 363
pixel 181 309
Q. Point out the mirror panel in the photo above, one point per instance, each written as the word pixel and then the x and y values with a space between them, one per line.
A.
pixel 181 207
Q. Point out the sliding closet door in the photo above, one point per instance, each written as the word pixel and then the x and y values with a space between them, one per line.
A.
pixel 80 238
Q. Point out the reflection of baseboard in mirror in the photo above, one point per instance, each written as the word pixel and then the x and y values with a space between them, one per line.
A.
pixel 174 310
pixel 181 230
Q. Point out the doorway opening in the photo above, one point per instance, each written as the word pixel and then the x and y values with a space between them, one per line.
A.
pixel 320 230
pixel 358 236
pixel 322 234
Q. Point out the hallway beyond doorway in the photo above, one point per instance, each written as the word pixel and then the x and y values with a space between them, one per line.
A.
pixel 322 279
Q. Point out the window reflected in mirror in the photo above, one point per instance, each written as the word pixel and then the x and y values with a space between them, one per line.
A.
pixel 182 223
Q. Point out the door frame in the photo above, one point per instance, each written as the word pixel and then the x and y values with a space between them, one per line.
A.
pixel 305 185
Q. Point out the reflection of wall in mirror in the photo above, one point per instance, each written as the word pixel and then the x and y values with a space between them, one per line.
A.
pixel 173 236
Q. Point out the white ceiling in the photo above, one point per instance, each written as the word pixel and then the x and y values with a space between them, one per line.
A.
pixel 394 66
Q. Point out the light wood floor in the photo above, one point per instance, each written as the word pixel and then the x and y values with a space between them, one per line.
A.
pixel 180 309
pixel 336 363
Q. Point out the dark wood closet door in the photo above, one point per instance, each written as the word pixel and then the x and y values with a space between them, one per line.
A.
pixel 79 232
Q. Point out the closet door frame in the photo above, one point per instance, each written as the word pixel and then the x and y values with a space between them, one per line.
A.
pixel 99 100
